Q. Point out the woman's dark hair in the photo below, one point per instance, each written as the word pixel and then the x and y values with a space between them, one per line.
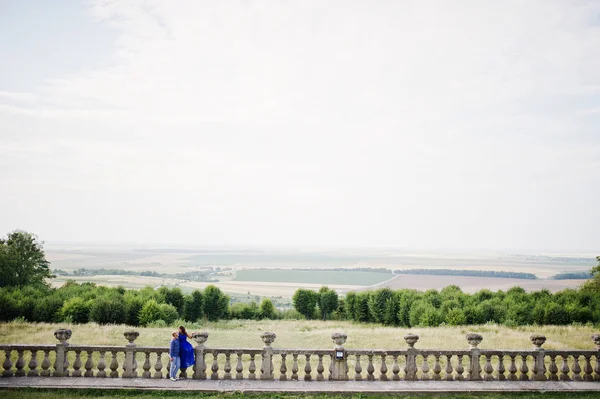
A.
pixel 182 330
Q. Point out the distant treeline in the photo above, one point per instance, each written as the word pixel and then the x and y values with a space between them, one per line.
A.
pixel 332 269
pixel 197 275
pixel 468 273
pixel 572 276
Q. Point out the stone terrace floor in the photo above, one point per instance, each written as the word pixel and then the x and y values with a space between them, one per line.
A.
pixel 340 387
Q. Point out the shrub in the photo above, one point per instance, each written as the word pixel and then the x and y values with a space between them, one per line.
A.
pixel 76 310
pixel 150 312
pixel 266 309
pixel 168 312
pixel 108 310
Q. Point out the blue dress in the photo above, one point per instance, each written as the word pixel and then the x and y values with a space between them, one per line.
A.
pixel 186 352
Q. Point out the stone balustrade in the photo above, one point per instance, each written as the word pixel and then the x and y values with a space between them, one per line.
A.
pixel 340 364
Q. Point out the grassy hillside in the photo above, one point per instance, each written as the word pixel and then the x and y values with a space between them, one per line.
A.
pixel 307 334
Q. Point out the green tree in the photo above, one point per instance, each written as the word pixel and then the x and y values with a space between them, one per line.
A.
pixel 173 296
pixel 193 304
pixel 151 312
pixel 133 306
pixel 328 302
pixel 377 301
pixel 77 310
pixel 455 317
pixel 108 310
pixel 266 310
pixel 305 302
pixel 216 304
pixel 361 307
pixel 593 284
pixel 22 260
pixel 168 313
pixel 350 303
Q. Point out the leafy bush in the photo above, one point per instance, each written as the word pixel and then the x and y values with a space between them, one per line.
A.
pixel 108 310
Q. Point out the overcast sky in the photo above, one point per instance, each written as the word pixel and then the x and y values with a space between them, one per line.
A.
pixel 430 124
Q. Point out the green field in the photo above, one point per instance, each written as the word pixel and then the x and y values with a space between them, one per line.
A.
pixel 127 393
pixel 312 277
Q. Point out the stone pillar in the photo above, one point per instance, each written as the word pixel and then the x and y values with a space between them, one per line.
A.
pixel 130 366
pixel 266 368
pixel 474 366
pixel 411 357
pixel 200 364
pixel 339 363
pixel 539 367
pixel 62 335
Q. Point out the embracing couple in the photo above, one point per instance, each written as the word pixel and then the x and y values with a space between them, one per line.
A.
pixel 180 352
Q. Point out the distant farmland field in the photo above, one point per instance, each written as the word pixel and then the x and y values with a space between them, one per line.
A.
pixel 312 277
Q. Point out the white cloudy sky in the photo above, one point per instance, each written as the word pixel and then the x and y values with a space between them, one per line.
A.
pixel 454 124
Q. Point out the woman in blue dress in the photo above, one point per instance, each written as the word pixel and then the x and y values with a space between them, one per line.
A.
pixel 186 351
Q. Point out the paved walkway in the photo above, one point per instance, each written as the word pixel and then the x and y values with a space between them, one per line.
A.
pixel 375 387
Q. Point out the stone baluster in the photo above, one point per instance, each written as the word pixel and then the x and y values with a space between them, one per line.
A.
pixel 283 368
pixel 410 369
pixel 320 368
pixel 307 368
pixel 215 367
pixel 564 369
pixel 252 368
pixel 576 369
pixel 128 369
pixel 425 368
pixel 357 369
pixel 227 367
pixel 539 366
pixel 158 366
pixel 77 364
pixel 20 364
pixel 437 369
pixel 524 369
pixel 7 365
pixel 146 366
pixel 89 364
pixel 114 365
pixel 294 367
pixel 101 365
pixel 370 369
pixel 553 369
pixel 168 373
pixel 395 369
pixel 239 367
pixel 488 369
pixel 383 370
pixel 474 367
pixel 200 362
pixel 61 363
pixel 596 340
pixel 266 367
pixel 460 369
pixel 512 369
pixel 46 364
pixel 33 364
pixel 449 370
pixel 339 366
pixel 587 368
pixel 501 369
